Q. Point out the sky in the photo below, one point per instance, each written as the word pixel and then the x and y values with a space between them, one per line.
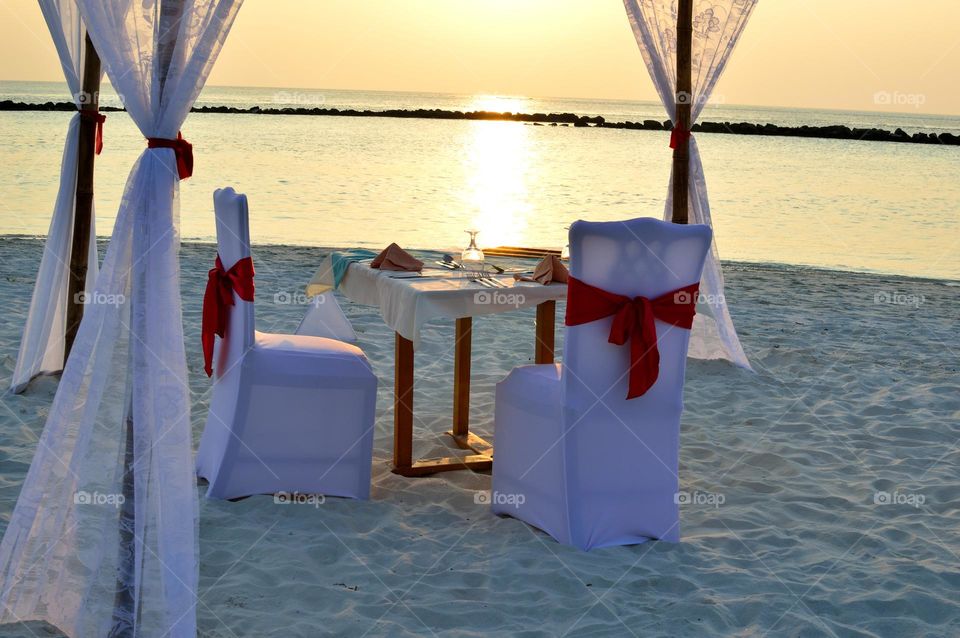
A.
pixel 883 55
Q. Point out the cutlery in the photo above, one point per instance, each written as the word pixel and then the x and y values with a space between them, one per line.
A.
pixel 494 283
pixel 448 259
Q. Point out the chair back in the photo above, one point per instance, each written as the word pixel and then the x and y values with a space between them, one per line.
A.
pixel 616 448
pixel 233 244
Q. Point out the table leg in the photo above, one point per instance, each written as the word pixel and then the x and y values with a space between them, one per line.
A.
pixel 403 405
pixel 403 463
pixel 461 393
pixel 461 378
pixel 546 331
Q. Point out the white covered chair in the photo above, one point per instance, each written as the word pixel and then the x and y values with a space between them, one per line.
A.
pixel 325 318
pixel 573 456
pixel 289 413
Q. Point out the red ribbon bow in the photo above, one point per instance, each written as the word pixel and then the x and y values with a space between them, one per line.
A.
pixel 679 135
pixel 221 284
pixel 633 321
pixel 99 118
pixel 183 150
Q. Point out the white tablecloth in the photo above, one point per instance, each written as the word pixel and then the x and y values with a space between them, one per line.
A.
pixel 406 303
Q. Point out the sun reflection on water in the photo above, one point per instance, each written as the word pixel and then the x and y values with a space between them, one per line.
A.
pixel 500 162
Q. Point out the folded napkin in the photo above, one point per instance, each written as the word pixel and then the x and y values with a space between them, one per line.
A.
pixel 549 270
pixel 395 258
pixel 341 260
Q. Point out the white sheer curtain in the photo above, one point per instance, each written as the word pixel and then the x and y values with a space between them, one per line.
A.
pixel 717 25
pixel 41 346
pixel 86 550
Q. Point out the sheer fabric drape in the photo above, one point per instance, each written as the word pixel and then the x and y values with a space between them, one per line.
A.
pixel 717 26
pixel 85 549
pixel 42 342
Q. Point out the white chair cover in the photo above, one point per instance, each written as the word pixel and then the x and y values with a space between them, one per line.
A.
pixel 73 554
pixel 42 343
pixel 573 456
pixel 325 318
pixel 717 26
pixel 289 413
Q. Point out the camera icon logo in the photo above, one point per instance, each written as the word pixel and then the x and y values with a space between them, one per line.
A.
pixel 882 498
pixel 684 298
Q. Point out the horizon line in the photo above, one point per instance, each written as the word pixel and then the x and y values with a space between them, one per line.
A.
pixel 708 105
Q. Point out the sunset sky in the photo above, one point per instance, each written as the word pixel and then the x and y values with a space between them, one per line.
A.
pixel 809 53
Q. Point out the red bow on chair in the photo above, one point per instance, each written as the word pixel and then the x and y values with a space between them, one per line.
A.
pixel 181 148
pixel 221 284
pixel 633 321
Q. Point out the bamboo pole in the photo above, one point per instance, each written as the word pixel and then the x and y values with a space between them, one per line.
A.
pixel 681 152
pixel 83 211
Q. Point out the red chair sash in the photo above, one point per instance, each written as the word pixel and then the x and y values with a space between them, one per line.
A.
pixel 181 148
pixel 217 300
pixel 633 321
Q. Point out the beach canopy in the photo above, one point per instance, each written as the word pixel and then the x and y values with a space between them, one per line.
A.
pixel 716 28
pixel 103 537
pixel 43 342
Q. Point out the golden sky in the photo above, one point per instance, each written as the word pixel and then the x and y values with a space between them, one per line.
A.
pixel 799 53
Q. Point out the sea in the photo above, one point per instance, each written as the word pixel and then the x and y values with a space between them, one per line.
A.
pixel 352 181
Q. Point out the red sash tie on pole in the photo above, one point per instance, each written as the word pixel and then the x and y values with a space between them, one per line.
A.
pixel 99 118
pixel 679 135
pixel 217 300
pixel 633 321
pixel 183 150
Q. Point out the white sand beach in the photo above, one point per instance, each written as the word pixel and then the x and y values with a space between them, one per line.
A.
pixel 824 485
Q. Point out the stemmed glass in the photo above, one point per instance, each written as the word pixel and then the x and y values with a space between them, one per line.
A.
pixel 471 259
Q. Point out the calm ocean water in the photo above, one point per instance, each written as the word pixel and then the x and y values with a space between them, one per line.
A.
pixel 339 181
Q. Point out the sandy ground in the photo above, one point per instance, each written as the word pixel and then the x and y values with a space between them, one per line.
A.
pixel 855 402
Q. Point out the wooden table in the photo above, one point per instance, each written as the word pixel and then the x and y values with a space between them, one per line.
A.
pixel 482 457
pixel 405 305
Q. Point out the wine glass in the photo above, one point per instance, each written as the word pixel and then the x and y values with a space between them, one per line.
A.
pixel 471 259
pixel 565 252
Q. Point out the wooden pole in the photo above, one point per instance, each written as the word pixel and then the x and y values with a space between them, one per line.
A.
pixel 83 211
pixel 681 153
